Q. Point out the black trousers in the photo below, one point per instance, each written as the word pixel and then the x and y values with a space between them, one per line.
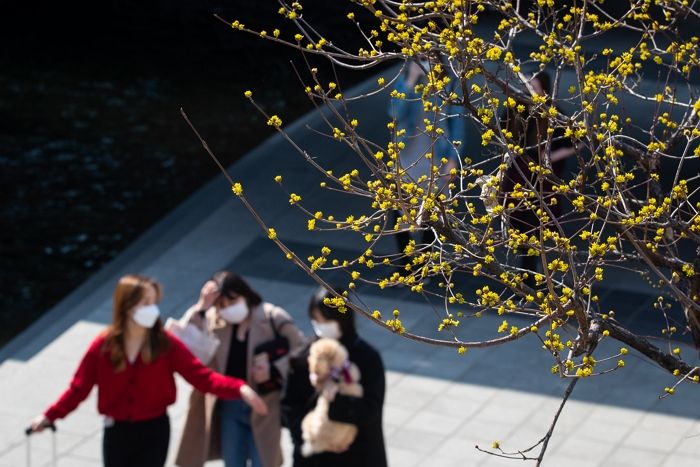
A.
pixel 137 444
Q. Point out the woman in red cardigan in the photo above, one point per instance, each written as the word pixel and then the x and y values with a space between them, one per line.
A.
pixel 132 363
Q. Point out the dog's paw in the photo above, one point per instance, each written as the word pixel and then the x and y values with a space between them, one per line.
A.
pixel 307 450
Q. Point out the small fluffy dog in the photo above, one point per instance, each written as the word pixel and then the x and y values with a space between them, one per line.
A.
pixel 331 373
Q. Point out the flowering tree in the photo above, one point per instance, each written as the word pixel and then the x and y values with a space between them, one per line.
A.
pixel 628 203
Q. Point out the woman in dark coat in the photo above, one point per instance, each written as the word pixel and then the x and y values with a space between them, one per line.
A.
pixel 530 132
pixel 366 412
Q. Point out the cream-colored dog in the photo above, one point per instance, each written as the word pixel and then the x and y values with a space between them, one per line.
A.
pixel 331 373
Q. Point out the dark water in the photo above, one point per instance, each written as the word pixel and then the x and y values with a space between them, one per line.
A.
pixel 89 162
pixel 93 149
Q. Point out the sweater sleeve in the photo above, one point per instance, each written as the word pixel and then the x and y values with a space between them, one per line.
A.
pixel 202 378
pixel 362 411
pixel 194 315
pixel 286 327
pixel 83 380
pixel 298 397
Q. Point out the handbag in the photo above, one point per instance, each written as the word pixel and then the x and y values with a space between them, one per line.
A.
pixel 272 350
pixel 201 343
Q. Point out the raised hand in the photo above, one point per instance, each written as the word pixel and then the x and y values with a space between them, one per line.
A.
pixel 208 295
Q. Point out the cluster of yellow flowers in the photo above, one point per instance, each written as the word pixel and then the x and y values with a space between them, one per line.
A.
pixel 395 323
pixel 617 196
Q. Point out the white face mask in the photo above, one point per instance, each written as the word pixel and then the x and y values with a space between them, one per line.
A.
pixel 329 329
pixel 235 313
pixel 146 316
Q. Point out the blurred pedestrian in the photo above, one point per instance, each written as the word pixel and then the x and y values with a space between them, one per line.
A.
pixel 256 338
pixel 365 412
pixel 411 118
pixel 132 363
pixel 530 132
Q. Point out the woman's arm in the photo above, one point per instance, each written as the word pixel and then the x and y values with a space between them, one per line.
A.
pixel 561 146
pixel 84 379
pixel 561 154
pixel 202 378
pixel 297 396
pixel 193 315
pixel 207 297
pixel 208 381
pixel 287 328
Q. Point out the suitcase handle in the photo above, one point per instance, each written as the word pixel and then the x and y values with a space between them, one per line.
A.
pixel 28 431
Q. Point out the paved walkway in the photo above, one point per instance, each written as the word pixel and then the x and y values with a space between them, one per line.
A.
pixel 439 405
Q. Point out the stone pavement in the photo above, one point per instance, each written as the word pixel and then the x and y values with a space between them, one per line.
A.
pixel 439 405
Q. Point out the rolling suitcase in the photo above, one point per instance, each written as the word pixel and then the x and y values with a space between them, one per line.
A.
pixel 28 432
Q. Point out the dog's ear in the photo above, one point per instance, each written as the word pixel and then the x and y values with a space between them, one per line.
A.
pixel 340 354
pixel 313 360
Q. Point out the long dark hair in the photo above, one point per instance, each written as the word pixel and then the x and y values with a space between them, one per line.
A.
pixel 345 319
pixel 545 81
pixel 232 285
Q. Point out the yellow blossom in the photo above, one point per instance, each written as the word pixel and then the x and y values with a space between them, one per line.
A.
pixel 274 121
pixel 494 53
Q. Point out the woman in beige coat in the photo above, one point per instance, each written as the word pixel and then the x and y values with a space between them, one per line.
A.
pixel 234 313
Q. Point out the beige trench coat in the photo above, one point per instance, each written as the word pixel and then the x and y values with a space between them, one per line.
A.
pixel 201 439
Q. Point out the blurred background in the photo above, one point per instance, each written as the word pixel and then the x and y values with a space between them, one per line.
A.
pixel 93 149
